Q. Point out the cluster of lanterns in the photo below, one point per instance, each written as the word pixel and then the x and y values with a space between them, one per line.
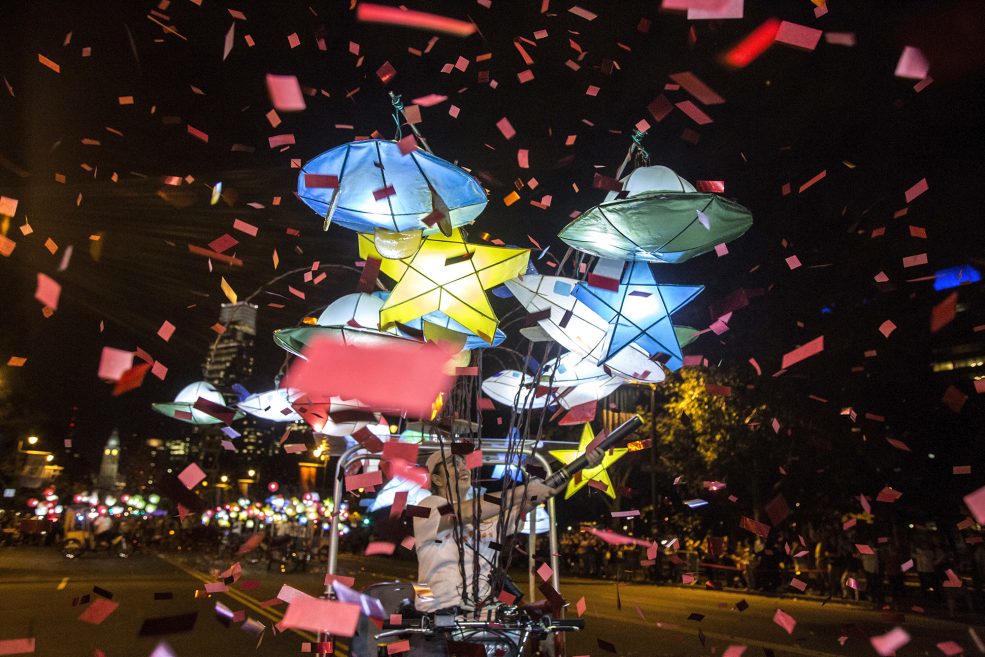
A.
pixel 308 510
pixel 50 506
pixel 408 208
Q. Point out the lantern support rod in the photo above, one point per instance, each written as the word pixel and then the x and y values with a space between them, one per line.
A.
pixel 398 111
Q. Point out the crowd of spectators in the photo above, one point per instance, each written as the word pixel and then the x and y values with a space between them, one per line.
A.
pixel 922 570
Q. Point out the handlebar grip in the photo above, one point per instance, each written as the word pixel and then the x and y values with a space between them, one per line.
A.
pixel 565 624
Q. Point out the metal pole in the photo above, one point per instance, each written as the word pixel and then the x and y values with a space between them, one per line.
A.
pixel 653 455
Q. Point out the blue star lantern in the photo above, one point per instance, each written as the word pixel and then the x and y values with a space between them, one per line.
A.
pixel 639 311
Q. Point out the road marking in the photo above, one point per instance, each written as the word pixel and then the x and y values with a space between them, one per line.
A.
pixel 240 597
pixel 62 584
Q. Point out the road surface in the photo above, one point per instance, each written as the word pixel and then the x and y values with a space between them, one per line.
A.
pixel 38 588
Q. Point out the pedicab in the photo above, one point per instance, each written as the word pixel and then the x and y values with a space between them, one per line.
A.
pixel 502 630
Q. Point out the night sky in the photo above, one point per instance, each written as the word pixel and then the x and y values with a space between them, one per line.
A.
pixel 788 116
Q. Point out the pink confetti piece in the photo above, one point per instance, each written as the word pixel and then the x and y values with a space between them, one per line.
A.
pixel 887 644
pixel 98 611
pixel 16 646
pixel 316 615
pixel 191 476
pixel 581 606
pixel 915 260
pixel 887 328
pixel 697 88
pixel 784 620
pixel 545 572
pixel 918 188
pixel 506 128
pixel 8 206
pixel 912 64
pixel 430 100
pixel 293 40
pixel 243 227
pixel 582 13
pixel 366 480
pixel 380 547
pixel 812 348
pixel 280 140
pixel 798 36
pixel 113 363
pixel 48 291
pixel 166 331
pixel 734 651
pixel 285 93
pixel 976 504
pixel 694 112
pixel 715 10
pixel 793 262
pixel 950 648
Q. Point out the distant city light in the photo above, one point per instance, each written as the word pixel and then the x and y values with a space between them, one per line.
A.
pixel 945 279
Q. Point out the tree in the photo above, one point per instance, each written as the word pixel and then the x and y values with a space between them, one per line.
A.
pixel 710 427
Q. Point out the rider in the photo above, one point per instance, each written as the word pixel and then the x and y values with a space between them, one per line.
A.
pixel 447 550
pixel 102 529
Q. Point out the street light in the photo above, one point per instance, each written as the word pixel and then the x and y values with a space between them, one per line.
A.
pixel 32 440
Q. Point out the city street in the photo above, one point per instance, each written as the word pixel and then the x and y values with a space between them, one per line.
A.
pixel 38 588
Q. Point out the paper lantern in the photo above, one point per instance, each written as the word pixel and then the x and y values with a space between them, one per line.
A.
pixel 598 473
pixel 273 405
pixel 183 406
pixel 419 328
pixel 578 328
pixel 370 184
pixel 513 389
pixel 333 416
pixel 658 217
pixel 639 311
pixel 449 275
pixel 354 319
pixel 576 380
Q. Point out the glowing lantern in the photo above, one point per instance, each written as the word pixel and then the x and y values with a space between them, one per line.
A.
pixel 333 416
pixel 447 274
pixel 598 473
pixel 370 184
pixel 273 405
pixel 183 406
pixel 657 217
pixel 354 319
pixel 639 311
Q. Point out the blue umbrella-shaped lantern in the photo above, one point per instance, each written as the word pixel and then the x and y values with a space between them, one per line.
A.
pixel 372 186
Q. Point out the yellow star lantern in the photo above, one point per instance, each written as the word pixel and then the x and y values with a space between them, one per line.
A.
pixel 449 275
pixel 598 473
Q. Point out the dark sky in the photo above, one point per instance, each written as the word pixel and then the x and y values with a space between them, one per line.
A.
pixel 787 116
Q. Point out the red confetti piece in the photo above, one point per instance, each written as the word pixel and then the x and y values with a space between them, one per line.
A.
pixel 373 13
pixel 49 63
pixel 197 134
pixel 381 194
pixel 754 45
pixel 320 181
